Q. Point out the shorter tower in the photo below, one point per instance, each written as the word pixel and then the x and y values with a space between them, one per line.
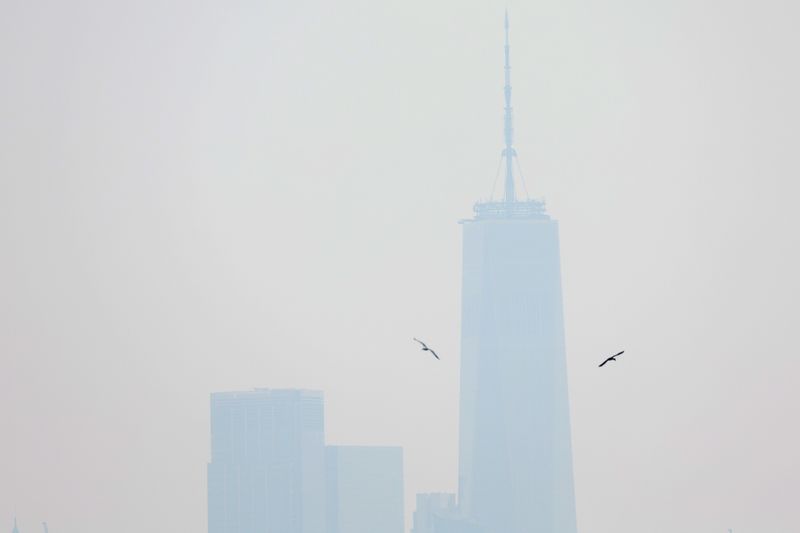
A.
pixel 267 469
pixel 431 508
pixel 365 489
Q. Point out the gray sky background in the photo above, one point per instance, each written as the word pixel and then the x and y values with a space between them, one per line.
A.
pixel 204 196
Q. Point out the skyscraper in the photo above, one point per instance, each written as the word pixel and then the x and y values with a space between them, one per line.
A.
pixel 515 461
pixel 267 469
pixel 365 489
pixel 430 507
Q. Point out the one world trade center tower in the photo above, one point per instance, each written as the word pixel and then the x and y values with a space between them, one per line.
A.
pixel 515 456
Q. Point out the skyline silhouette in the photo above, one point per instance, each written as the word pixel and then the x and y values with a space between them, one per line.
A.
pixel 198 198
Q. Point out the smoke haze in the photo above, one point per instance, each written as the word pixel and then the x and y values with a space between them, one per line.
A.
pixel 206 196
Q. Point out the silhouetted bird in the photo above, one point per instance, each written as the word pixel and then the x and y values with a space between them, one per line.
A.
pixel 425 348
pixel 612 358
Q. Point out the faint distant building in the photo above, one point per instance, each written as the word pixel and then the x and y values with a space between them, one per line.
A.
pixel 267 469
pixel 515 457
pixel 431 507
pixel 365 489
pixel 438 513
pixel 15 530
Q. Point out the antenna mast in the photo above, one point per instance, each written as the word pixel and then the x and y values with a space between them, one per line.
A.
pixel 508 151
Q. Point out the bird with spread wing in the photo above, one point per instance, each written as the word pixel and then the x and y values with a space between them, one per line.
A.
pixel 425 348
pixel 612 358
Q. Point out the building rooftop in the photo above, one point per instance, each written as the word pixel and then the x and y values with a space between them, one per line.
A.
pixel 529 209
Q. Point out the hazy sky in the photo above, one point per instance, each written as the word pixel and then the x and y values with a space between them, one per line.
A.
pixel 204 196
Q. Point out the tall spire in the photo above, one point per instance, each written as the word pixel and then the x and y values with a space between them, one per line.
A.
pixel 15 530
pixel 508 152
pixel 508 206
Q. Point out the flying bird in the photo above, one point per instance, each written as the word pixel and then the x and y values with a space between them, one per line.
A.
pixel 612 358
pixel 425 348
